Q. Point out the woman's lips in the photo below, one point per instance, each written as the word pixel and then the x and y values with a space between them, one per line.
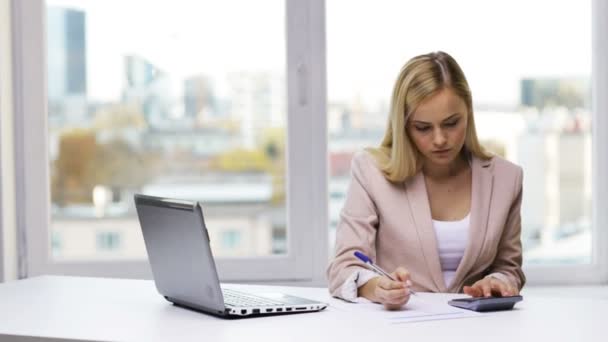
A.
pixel 442 151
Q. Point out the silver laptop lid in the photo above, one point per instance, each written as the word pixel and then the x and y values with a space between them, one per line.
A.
pixel 179 252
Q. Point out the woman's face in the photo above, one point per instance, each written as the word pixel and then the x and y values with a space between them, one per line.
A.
pixel 438 127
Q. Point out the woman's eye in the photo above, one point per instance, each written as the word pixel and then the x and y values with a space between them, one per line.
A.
pixel 452 123
pixel 422 129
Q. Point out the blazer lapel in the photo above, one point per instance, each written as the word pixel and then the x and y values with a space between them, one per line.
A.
pixel 481 195
pixel 421 213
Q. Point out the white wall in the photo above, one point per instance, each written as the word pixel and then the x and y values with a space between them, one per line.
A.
pixel 8 248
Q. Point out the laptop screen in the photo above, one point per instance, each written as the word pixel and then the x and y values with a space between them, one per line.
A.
pixel 178 249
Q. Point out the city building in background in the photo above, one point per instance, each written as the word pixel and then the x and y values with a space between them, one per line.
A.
pixel 571 93
pixel 214 138
pixel 67 58
pixel 219 138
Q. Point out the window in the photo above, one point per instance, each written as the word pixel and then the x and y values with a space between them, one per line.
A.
pixel 198 101
pixel 170 110
pixel 56 243
pixel 231 239
pixel 146 86
pixel 279 241
pixel 108 241
pixel 530 76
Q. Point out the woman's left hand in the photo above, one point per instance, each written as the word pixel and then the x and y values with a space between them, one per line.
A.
pixel 489 286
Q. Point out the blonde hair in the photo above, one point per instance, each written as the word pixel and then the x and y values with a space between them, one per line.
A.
pixel 422 77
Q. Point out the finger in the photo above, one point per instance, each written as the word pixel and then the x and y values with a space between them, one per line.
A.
pixel 401 300
pixel 486 288
pixel 472 291
pixel 509 290
pixel 401 274
pixel 392 296
pixel 397 295
pixel 504 289
pixel 388 306
pixel 499 287
pixel 513 291
pixel 396 300
pixel 389 295
pixel 388 284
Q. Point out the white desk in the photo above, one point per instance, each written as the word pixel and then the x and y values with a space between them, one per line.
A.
pixel 101 309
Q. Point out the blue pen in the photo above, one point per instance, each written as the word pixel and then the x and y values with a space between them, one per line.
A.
pixel 376 268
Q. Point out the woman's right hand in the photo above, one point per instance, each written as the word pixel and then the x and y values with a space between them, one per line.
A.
pixel 393 294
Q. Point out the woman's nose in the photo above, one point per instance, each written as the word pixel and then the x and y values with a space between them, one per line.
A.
pixel 439 138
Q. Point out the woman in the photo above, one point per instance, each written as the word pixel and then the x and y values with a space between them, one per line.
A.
pixel 430 204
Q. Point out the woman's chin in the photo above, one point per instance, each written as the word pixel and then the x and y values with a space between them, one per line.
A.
pixel 442 160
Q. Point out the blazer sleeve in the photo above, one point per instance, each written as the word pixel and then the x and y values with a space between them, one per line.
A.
pixel 357 228
pixel 508 259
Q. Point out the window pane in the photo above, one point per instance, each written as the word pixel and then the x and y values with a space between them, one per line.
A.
pixel 180 99
pixel 530 77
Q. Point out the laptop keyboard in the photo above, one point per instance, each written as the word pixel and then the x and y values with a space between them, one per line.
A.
pixel 240 299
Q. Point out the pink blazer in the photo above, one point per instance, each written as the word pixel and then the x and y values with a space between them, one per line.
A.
pixel 392 224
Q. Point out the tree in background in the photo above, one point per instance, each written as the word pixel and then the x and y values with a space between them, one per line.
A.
pixel 73 170
pixel 84 162
pixel 119 166
pixel 273 144
pixel 243 160
pixel 268 157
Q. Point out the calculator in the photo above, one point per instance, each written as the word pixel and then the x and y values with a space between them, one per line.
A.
pixel 483 304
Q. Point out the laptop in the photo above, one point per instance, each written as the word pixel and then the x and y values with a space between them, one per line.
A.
pixel 184 271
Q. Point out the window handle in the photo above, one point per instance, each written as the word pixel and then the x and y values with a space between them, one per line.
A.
pixel 302 84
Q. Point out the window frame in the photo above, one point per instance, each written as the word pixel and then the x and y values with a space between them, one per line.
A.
pixel 2 239
pixel 599 71
pixel 307 158
pixel 8 252
pixel 306 173
pixel 595 272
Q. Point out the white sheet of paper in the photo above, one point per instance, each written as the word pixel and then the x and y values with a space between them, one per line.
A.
pixel 424 307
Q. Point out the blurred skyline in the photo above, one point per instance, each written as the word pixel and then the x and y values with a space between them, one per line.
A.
pixel 159 103
pixel 367 43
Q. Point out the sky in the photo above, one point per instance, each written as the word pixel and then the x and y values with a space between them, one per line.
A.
pixel 496 42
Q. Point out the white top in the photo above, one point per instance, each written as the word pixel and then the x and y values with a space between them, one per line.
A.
pixel 452 237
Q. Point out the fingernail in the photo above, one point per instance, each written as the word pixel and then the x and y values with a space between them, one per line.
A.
pixel 408 283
